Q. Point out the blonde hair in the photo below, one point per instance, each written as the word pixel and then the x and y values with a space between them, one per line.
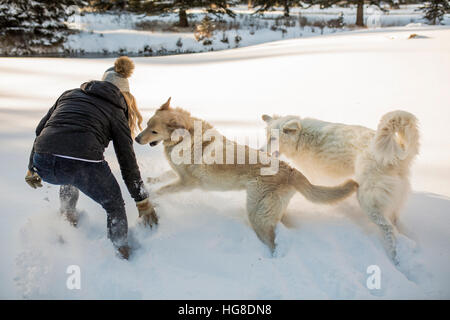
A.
pixel 134 116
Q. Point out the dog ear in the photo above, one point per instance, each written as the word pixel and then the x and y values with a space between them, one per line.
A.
pixel 291 126
pixel 177 123
pixel 266 118
pixel 166 105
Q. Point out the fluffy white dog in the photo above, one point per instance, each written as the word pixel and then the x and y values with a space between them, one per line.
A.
pixel 379 160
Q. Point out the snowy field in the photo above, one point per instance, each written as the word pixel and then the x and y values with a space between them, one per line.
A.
pixel 204 246
pixel 104 33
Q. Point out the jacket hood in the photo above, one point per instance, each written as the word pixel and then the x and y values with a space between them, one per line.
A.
pixel 106 91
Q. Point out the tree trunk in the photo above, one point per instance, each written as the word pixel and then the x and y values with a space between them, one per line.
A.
pixel 286 9
pixel 360 14
pixel 183 18
pixel 250 4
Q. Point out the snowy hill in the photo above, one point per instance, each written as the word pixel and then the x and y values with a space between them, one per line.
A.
pixel 204 246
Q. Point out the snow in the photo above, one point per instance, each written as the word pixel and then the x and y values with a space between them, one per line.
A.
pixel 107 33
pixel 204 246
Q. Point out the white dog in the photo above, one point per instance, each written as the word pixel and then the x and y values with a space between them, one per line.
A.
pixel 379 160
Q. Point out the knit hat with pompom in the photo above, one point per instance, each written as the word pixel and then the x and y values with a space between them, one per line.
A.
pixel 119 74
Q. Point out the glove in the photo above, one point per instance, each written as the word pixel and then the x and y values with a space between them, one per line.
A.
pixel 33 179
pixel 147 212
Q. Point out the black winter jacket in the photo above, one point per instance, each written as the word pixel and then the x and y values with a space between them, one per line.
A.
pixel 81 124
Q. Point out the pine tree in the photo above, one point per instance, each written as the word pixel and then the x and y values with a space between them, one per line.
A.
pixel 34 26
pixel 359 6
pixel 265 5
pixel 181 6
pixel 205 29
pixel 435 10
pixel 135 5
pixel 107 5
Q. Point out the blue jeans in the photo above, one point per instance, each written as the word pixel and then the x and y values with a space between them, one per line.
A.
pixel 93 179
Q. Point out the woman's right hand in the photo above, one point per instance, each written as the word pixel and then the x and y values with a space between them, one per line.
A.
pixel 33 179
pixel 147 213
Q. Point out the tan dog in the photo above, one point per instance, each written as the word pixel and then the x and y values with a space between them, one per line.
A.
pixel 267 195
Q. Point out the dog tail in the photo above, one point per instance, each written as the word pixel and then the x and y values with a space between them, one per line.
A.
pixel 322 194
pixel 397 137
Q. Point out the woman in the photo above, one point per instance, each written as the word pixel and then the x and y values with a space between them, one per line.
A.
pixel 69 146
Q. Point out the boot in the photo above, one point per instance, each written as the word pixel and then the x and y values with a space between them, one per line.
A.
pixel 72 217
pixel 124 252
